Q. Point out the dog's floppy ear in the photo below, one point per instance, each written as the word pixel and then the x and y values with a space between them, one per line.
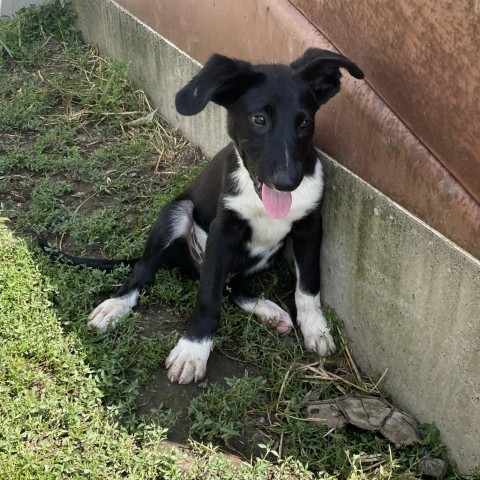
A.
pixel 321 68
pixel 222 80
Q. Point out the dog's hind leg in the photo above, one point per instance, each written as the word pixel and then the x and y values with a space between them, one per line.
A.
pixel 162 248
pixel 267 312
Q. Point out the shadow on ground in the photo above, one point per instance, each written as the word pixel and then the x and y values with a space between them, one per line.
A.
pixel 160 391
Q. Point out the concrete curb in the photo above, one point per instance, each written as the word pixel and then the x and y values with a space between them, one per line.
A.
pixel 410 301
pixel 155 65
pixel 409 297
pixel 8 8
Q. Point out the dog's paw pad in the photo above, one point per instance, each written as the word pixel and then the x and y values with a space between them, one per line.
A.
pixel 107 314
pixel 187 362
pixel 269 313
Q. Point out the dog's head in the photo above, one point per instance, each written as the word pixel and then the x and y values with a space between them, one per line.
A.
pixel 271 111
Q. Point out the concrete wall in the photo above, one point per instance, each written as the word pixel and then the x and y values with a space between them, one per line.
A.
pixel 9 7
pixel 409 298
pixel 156 66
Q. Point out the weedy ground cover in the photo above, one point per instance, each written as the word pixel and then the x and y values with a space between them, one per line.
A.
pixel 88 162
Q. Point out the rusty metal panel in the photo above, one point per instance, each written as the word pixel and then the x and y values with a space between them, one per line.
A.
pixel 357 127
pixel 423 59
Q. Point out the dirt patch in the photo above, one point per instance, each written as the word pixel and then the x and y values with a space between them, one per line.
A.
pixel 156 319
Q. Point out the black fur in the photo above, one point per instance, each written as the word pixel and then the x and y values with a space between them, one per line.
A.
pixel 271 120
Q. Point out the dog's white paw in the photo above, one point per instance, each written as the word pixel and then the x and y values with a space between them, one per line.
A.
pixel 317 339
pixel 187 362
pixel 269 313
pixel 108 313
pixel 313 325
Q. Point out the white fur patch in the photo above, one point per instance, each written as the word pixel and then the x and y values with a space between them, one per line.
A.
pixel 181 220
pixel 187 362
pixel 197 241
pixel 265 255
pixel 200 235
pixel 110 311
pixel 313 325
pixel 267 232
pixel 269 313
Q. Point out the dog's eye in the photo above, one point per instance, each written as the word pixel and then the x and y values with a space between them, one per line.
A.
pixel 258 119
pixel 305 124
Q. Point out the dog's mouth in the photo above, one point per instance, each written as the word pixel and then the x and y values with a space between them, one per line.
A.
pixel 257 184
pixel 277 204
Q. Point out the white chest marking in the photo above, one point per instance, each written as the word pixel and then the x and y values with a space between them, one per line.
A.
pixel 268 232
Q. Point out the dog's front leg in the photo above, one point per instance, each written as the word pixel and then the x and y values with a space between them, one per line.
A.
pixel 307 237
pixel 188 360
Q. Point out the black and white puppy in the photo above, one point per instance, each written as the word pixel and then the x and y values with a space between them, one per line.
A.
pixel 235 217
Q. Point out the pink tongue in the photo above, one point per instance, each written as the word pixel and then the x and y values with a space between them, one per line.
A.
pixel 277 204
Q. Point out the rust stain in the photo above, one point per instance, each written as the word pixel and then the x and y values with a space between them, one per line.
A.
pixel 423 59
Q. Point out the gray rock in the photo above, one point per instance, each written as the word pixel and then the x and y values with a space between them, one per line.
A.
pixel 366 412
pixel 435 468
pixel 401 429
pixel 326 413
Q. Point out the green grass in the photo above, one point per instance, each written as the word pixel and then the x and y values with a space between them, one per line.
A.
pixel 56 419
pixel 85 160
pixel 52 421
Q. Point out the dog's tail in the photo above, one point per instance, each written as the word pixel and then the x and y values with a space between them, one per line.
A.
pixel 97 263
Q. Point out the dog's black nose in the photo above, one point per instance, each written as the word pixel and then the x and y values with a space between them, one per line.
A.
pixel 285 182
